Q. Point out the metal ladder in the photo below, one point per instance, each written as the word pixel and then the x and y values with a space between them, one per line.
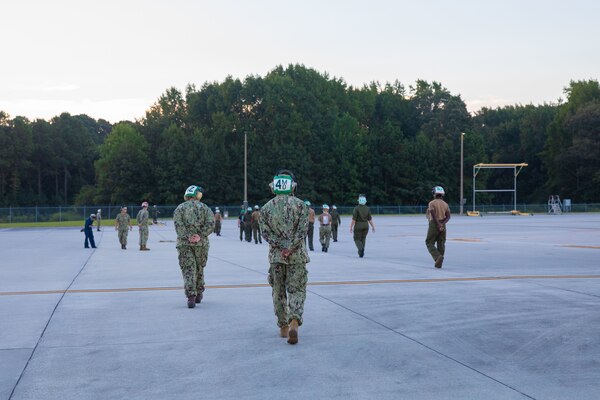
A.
pixel 554 205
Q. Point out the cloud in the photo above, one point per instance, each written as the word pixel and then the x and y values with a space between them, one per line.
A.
pixel 113 110
pixel 474 105
pixel 69 87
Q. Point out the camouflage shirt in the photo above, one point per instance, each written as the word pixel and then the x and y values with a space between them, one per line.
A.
pixel 193 217
pixel 142 217
pixel 284 223
pixel 123 221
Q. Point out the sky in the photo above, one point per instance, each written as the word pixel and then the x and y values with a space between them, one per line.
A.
pixel 112 59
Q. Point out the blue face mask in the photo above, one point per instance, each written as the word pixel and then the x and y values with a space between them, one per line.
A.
pixel 362 200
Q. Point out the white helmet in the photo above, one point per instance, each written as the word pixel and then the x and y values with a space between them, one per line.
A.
pixel 438 190
pixel 325 206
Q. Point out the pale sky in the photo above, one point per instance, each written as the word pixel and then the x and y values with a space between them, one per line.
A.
pixel 112 59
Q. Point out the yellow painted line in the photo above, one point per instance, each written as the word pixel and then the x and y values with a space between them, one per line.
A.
pixel 332 283
pixel 473 240
pixel 580 247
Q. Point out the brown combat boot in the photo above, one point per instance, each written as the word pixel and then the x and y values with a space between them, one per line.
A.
pixel 191 301
pixel 439 261
pixel 283 331
pixel 145 248
pixel 293 332
pixel 141 247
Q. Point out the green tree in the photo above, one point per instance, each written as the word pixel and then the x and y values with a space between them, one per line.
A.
pixel 123 167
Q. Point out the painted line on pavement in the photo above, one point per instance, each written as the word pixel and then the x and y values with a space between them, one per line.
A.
pixel 577 246
pixel 333 283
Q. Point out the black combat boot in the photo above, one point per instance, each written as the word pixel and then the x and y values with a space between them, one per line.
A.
pixel 198 298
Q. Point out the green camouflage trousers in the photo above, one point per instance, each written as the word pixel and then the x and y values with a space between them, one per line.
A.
pixel 325 235
pixel 143 235
pixel 123 236
pixel 192 260
pixel 435 237
pixel 289 291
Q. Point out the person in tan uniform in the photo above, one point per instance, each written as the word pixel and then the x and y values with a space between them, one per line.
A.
pixel 325 221
pixel 255 218
pixel 218 220
pixel 438 214
pixel 311 225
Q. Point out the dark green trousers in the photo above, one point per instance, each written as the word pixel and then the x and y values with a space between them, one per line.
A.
pixel 360 235
pixel 436 240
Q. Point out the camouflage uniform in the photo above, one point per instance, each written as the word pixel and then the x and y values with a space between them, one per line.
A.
pixel 142 220
pixel 123 222
pixel 283 223
pixel 325 230
pixel 335 222
pixel 193 217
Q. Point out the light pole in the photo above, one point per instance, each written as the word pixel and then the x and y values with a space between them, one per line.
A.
pixel 245 170
pixel 462 139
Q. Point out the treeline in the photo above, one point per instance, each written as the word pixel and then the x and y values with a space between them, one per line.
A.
pixel 391 142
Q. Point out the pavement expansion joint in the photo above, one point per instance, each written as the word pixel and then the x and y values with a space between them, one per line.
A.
pixel 424 345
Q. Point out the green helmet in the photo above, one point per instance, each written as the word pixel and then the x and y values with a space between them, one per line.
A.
pixel 192 191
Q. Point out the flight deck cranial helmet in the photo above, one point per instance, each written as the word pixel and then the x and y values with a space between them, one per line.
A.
pixel 145 204
pixel 325 207
pixel 362 199
pixel 438 190
pixel 283 182
pixel 256 207
pixel 192 191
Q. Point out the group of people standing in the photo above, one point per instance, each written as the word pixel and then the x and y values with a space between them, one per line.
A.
pixel 248 224
pixel 123 226
pixel 286 224
pixel 328 226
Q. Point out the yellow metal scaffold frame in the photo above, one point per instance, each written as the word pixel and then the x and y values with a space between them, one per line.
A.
pixel 516 170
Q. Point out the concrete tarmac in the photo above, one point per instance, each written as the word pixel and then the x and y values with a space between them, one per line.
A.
pixel 513 314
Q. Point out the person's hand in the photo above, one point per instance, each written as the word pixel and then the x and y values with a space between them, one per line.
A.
pixel 195 238
pixel 285 253
pixel 373 228
pixel 441 227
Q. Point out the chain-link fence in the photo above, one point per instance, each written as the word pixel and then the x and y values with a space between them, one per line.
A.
pixel 79 213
